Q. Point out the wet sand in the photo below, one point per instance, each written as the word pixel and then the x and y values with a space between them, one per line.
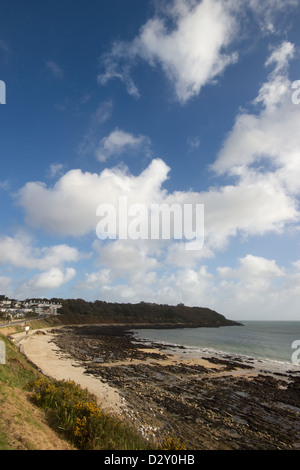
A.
pixel 209 402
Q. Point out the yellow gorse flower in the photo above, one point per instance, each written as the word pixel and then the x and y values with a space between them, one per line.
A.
pixel 173 443
pixel 88 408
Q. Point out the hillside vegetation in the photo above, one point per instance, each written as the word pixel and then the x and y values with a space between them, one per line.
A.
pixel 143 313
pixel 23 426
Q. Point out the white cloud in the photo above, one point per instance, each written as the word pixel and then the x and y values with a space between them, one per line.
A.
pixel 281 57
pixel 128 272
pixel 20 254
pixel 119 142
pixel 270 140
pixel 268 12
pixel 260 288
pixel 257 204
pixel 127 258
pixel 254 206
pixel 252 269
pixel 51 279
pixel 19 251
pixel 191 54
pixel 275 90
pixel 69 207
pixel 191 41
pixel 196 287
pixel 101 279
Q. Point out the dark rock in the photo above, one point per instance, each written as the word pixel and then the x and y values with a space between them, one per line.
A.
pixel 207 408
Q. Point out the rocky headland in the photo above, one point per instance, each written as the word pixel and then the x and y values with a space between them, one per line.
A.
pixel 143 313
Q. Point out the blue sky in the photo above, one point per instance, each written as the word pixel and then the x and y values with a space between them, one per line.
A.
pixel 178 101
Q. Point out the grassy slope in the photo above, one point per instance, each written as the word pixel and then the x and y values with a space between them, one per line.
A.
pixel 25 426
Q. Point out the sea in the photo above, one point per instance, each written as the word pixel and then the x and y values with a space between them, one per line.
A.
pixel 274 344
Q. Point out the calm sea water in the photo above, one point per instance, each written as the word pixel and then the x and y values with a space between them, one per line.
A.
pixel 257 339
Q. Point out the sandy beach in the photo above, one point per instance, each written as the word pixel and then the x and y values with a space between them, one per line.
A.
pixel 39 349
pixel 210 403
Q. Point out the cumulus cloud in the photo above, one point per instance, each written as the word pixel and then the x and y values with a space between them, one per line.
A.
pixel 102 277
pixel 52 279
pixel 190 40
pixel 267 143
pixel 253 268
pixel 268 12
pixel 119 142
pixel 128 259
pixel 259 285
pixel 19 251
pixel 194 286
pixel 41 284
pixel 191 54
pixel 281 57
pixel 69 207
pixel 277 87
pixel 254 206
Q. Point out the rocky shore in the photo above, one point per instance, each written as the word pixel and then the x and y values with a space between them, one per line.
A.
pixel 211 403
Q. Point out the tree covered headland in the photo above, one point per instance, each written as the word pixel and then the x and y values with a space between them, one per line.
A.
pixel 142 313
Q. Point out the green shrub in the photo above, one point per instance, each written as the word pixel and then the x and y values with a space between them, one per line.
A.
pixel 75 413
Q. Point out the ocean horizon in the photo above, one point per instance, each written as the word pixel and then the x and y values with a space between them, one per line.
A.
pixel 261 340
